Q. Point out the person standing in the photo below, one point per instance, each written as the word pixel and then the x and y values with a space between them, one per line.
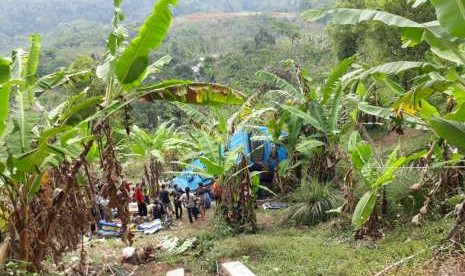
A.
pixel 139 197
pixel 127 186
pixel 165 200
pixel 188 199
pixel 177 201
pixel 202 193
pixel 157 209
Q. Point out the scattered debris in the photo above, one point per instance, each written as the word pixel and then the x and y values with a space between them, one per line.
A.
pixel 150 227
pixel 169 243
pixel 135 256
pixel 168 223
pixel 274 206
pixel 235 269
pixel 133 209
pixel 109 229
pixel 109 226
pixel 177 272
pixel 174 246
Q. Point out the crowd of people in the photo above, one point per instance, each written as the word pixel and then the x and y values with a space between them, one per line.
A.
pixel 169 203
pixel 171 200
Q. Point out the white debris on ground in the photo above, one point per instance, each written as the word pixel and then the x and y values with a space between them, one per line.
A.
pixel 174 246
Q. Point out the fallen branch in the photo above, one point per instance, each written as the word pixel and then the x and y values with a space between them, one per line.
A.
pixel 133 271
pixel 111 270
pixel 396 264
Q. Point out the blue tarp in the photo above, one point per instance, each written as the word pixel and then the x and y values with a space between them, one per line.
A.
pixel 189 178
pixel 262 153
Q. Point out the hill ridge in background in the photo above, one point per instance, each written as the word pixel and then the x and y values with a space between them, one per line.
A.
pixel 18 19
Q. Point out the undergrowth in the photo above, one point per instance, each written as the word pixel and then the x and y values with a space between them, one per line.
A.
pixel 310 204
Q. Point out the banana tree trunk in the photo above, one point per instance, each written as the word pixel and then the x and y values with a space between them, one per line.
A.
pixel 155 175
pixel 4 251
pixel 148 178
pixel 457 234
pixel 237 201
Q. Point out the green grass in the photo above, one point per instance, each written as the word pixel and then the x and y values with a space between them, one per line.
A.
pixel 317 251
pixel 280 250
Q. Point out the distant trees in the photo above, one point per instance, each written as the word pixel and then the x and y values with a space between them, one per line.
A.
pixel 365 39
pixel 263 38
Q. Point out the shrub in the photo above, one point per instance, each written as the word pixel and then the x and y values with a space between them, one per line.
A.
pixel 310 204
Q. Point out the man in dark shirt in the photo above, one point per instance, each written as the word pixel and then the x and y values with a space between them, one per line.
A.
pixel 177 201
pixel 165 200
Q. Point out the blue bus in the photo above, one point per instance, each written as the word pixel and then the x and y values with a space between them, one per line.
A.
pixel 262 155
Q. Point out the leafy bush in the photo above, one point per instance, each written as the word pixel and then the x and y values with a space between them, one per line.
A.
pixel 312 201
pixel 401 199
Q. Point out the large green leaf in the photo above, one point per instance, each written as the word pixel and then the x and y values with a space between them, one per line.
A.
pixel 361 155
pixel 212 168
pixel 307 146
pixel 394 86
pixel 412 32
pixel 134 60
pixel 4 70
pixel 32 60
pixel 280 83
pixel 392 165
pixel 153 69
pixel 356 16
pixel 336 105
pixel 33 160
pixel 397 67
pixel 353 141
pixel 386 113
pixel 331 84
pixel 192 93
pixel 73 107
pixel 458 114
pixel 307 118
pixel 451 15
pixel 444 47
pixel 452 131
pixel 55 79
pixel 364 209
pixel 377 111
pixel 4 106
pixel 360 151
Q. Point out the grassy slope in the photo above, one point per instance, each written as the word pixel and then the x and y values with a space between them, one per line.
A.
pixel 327 249
pixel 278 250
pixel 321 251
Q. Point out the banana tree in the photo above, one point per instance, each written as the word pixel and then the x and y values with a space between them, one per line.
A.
pixel 444 75
pixel 124 72
pixel 154 148
pixel 313 118
pixel 41 155
pixel 231 170
pixel 375 176
pixel 210 138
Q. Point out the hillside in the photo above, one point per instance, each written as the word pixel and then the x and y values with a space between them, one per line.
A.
pixel 274 136
pixel 89 18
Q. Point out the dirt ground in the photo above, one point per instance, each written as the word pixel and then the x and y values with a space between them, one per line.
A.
pixel 223 15
pixel 105 256
pixel 107 253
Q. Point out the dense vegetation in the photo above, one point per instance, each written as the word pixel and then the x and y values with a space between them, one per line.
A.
pixel 388 70
pixel 80 19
